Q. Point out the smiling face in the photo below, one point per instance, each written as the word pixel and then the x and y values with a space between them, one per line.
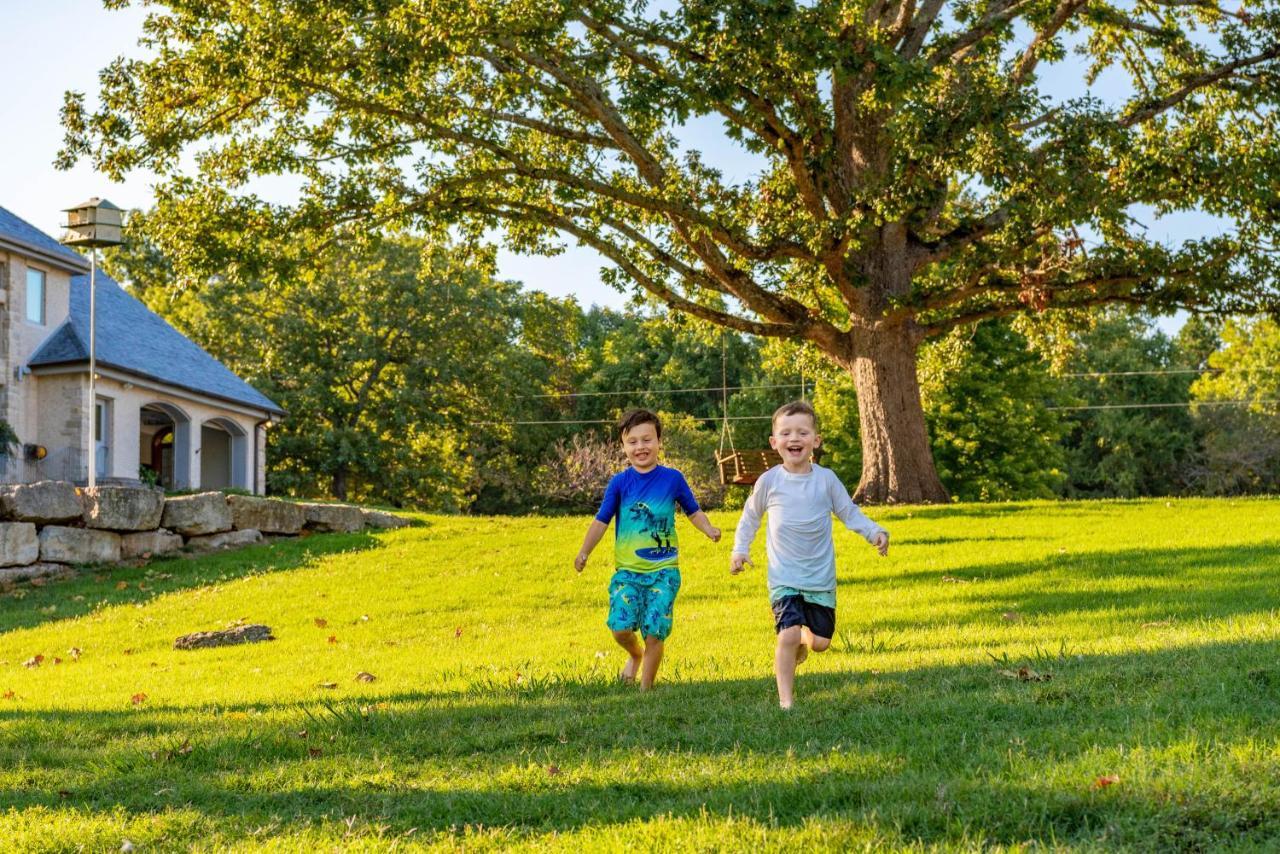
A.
pixel 794 438
pixel 641 445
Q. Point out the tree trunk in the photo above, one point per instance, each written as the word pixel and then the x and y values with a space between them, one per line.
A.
pixel 339 487
pixel 897 460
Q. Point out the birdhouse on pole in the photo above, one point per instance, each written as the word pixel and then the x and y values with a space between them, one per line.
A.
pixel 94 223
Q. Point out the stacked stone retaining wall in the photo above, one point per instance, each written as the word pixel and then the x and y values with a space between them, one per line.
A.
pixel 46 528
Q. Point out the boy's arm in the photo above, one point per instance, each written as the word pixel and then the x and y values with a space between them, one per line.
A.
pixel 748 524
pixel 600 524
pixel 595 531
pixel 703 524
pixel 854 519
pixel 689 504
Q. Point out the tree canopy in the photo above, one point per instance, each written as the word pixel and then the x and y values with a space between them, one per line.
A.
pixel 922 164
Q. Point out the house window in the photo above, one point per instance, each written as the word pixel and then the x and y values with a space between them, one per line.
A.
pixel 35 296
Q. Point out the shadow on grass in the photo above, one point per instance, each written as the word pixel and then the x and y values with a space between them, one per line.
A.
pixel 1210 582
pixel 930 756
pixel 91 588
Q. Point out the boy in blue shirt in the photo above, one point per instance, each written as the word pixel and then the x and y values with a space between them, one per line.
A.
pixel 643 589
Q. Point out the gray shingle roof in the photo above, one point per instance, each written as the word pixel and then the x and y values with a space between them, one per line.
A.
pixel 25 237
pixel 135 339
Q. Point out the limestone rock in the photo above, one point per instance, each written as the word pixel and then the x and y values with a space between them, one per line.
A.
pixel 19 544
pixel 12 574
pixel 228 637
pixel 45 502
pixel 149 543
pixel 123 508
pixel 197 515
pixel 382 519
pixel 225 540
pixel 268 515
pixel 78 545
pixel 332 517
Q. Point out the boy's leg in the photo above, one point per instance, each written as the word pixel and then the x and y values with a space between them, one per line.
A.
pixel 653 647
pixel 631 643
pixel 658 614
pixel 784 664
pixel 625 602
pixel 819 626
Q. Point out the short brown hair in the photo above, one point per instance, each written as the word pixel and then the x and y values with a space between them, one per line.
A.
pixel 795 407
pixel 633 418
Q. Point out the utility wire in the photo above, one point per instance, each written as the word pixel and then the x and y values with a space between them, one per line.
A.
pixel 613 421
pixel 1160 405
pixel 652 391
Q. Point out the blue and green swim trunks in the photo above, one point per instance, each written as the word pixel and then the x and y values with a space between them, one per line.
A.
pixel 643 601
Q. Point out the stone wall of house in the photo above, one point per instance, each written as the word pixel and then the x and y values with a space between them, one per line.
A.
pixel 50 527
pixel 6 372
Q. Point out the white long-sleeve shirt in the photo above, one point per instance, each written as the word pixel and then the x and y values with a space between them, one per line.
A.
pixel 799 545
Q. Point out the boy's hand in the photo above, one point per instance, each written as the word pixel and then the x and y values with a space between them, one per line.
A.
pixel 714 534
pixel 736 563
pixel 580 562
pixel 882 543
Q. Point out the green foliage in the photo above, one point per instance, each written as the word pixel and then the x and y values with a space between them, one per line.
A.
pixel 985 395
pixel 9 440
pixel 495 721
pixel 1242 442
pixel 911 168
pixel 1129 450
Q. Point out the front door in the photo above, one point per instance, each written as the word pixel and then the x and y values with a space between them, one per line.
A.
pixel 101 436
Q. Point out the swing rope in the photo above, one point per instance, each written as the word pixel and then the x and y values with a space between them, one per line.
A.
pixel 725 431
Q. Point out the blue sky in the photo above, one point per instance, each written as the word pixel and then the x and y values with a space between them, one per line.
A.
pixel 50 46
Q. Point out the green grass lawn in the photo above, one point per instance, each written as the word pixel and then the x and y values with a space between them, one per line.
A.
pixel 495 720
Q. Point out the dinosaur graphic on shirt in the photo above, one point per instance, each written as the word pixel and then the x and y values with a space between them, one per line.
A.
pixel 659 529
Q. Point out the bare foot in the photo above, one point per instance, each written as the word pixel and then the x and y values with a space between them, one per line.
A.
pixel 629 671
pixel 802 652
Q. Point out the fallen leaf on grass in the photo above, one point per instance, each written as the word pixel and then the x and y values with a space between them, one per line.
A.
pixel 138 698
pixel 33 661
pixel 321 622
pixel 57 660
pixel 333 638
pixel 122 585
pixel 364 676
pixel 1026 674
pixel 457 633
pixel 1108 780
pixel 327 685
pixel 8 695
pixel 553 770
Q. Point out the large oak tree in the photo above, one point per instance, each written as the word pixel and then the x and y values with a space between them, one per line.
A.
pixel 917 169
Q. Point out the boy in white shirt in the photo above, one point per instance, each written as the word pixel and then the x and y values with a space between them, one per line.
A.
pixel 800 498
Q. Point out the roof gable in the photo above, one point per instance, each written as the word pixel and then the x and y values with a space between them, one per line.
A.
pixel 20 236
pixel 133 338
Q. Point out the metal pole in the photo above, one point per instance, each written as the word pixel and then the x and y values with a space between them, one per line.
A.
pixel 93 368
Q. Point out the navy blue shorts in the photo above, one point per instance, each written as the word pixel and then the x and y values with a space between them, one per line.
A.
pixel 795 611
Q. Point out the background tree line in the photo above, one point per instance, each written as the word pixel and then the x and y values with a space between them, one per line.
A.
pixel 406 368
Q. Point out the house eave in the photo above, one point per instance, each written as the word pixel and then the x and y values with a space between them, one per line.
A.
pixel 43 255
pixel 156 384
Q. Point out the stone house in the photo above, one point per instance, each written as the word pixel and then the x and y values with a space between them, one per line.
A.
pixel 165 408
